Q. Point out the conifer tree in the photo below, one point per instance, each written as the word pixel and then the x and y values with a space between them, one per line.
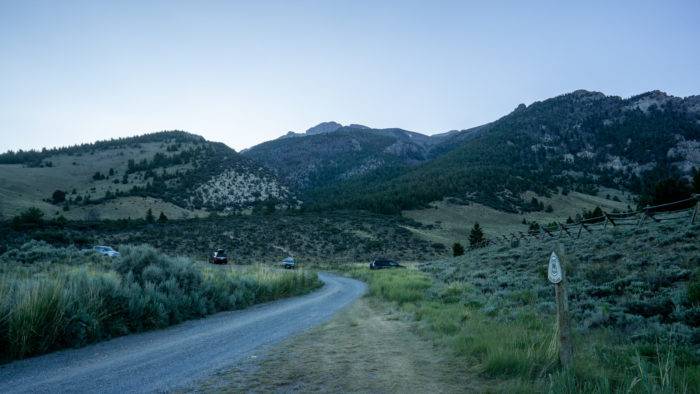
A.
pixel 457 249
pixel 476 236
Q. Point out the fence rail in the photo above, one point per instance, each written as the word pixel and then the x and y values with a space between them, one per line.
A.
pixel 682 209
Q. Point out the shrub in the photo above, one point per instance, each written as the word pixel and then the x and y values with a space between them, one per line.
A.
pixel 694 290
pixel 457 249
pixel 32 217
pixel 58 196
pixel 76 298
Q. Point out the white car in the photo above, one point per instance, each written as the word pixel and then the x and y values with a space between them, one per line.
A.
pixel 106 251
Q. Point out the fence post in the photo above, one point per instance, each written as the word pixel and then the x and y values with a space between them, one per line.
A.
pixel 697 206
pixel 563 229
pixel 556 275
pixel 644 216
pixel 609 219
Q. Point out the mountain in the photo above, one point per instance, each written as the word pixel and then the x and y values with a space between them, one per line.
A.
pixel 175 172
pixel 323 128
pixel 578 141
pixel 326 155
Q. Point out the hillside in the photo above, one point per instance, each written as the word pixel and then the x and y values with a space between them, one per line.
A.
pixel 582 141
pixel 330 154
pixel 578 141
pixel 268 238
pixel 177 173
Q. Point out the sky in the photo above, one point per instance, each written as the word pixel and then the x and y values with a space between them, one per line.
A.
pixel 243 72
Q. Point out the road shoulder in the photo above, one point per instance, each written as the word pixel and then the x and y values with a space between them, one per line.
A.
pixel 369 347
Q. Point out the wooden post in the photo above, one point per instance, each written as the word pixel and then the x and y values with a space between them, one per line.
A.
pixel 579 231
pixel 561 226
pixel 556 275
pixel 697 207
pixel 644 216
pixel 609 219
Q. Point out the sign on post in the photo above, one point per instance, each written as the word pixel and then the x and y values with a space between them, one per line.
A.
pixel 555 274
pixel 554 271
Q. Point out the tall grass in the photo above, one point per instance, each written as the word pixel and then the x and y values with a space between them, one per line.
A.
pixel 66 305
pixel 516 348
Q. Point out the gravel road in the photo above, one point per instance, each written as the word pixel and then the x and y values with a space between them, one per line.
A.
pixel 178 356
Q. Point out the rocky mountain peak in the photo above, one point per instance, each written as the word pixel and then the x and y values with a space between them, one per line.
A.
pixel 324 127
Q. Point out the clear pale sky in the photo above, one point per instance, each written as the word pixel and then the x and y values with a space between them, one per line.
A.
pixel 245 72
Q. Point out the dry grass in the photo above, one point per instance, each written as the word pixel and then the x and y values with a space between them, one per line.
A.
pixel 452 222
pixel 371 347
pixel 24 187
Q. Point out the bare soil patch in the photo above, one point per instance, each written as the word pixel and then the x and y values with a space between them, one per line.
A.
pixel 370 347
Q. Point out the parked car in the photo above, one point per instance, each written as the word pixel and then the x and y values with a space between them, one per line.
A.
pixel 219 257
pixel 106 251
pixel 288 263
pixel 378 264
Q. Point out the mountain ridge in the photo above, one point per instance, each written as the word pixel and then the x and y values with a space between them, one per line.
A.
pixel 575 141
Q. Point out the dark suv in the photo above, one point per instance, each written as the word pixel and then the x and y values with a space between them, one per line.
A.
pixel 378 264
pixel 219 257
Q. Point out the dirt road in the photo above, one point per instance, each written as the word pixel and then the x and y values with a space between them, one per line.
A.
pixel 176 357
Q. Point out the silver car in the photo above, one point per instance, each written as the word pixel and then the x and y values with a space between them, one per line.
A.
pixel 106 251
pixel 289 263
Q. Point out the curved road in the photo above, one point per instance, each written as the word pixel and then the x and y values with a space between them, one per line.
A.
pixel 177 356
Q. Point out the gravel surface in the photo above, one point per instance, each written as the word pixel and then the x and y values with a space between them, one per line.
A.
pixel 178 356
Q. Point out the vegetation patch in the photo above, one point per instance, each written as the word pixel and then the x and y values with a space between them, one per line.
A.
pixel 632 299
pixel 248 239
pixel 52 298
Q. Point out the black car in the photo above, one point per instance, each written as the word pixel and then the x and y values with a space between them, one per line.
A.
pixel 219 257
pixel 378 264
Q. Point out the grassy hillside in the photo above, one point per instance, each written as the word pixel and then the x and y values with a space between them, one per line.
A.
pixel 634 299
pixel 178 173
pixel 447 222
pixel 319 237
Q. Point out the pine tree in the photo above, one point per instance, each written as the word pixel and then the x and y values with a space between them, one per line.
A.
pixel 476 236
pixel 534 228
pixel 457 249
pixel 162 218
pixel 149 216
pixel 58 196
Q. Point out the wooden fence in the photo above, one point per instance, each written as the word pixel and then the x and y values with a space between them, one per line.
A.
pixel 679 210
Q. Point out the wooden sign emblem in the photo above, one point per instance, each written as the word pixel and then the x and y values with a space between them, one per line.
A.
pixel 554 271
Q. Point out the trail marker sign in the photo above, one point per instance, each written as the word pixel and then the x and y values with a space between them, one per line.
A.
pixel 556 276
pixel 554 270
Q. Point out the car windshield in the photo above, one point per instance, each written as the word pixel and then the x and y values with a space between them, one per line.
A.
pixel 220 253
pixel 103 249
